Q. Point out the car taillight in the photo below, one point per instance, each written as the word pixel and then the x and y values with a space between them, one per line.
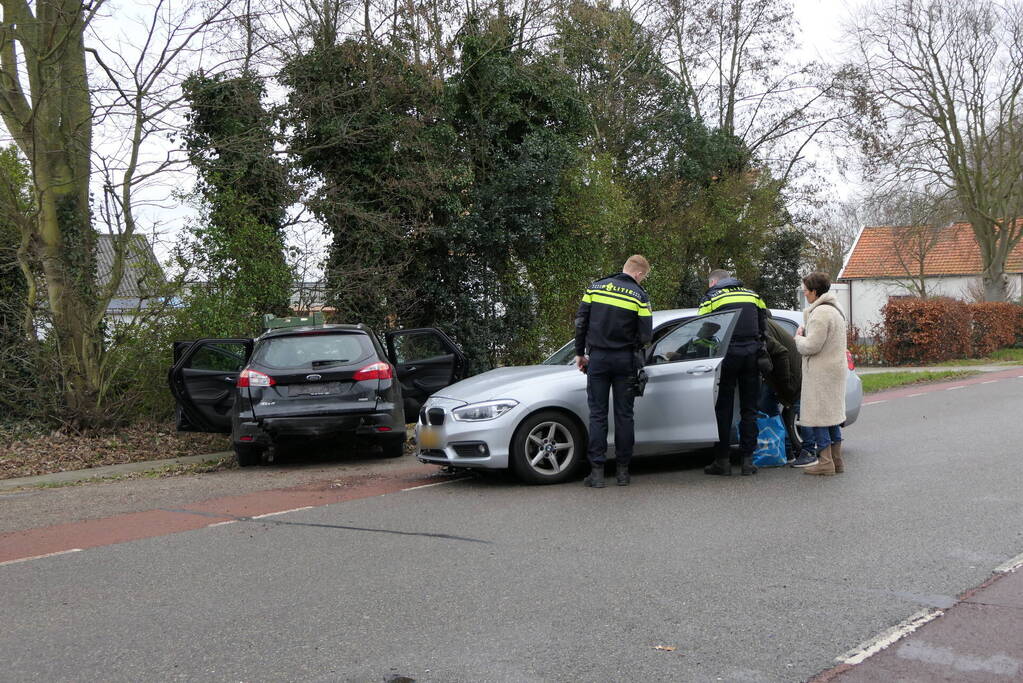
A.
pixel 849 358
pixel 379 370
pixel 254 378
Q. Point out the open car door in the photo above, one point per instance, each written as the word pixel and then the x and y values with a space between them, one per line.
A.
pixel 683 371
pixel 203 380
pixel 425 361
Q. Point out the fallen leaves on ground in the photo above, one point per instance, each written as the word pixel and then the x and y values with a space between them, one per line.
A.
pixel 60 452
pixel 664 648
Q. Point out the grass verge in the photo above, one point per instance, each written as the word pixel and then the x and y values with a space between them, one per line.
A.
pixel 879 381
pixel 1011 356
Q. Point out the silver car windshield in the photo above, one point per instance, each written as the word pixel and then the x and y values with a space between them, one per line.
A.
pixel 563 356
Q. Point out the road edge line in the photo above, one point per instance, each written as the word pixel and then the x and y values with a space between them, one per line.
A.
pixel 883 640
pixel 39 557
pixel 1009 566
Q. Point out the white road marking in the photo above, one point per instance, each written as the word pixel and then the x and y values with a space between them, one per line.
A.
pixel 870 403
pixel 436 483
pixel 39 557
pixel 282 512
pixel 954 388
pixel 920 394
pixel 230 521
pixel 1010 566
pixel 892 635
pixel 990 381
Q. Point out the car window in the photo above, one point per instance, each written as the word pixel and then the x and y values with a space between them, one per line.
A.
pixel 218 357
pixel 787 324
pixel 418 346
pixel 695 339
pixel 563 356
pixel 299 351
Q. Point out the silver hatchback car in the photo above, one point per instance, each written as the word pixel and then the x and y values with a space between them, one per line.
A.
pixel 533 419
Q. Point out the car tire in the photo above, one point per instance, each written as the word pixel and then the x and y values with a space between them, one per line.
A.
pixel 547 448
pixel 393 448
pixel 248 456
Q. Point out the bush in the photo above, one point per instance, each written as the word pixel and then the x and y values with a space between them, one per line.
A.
pixel 924 331
pixel 995 326
pixel 935 330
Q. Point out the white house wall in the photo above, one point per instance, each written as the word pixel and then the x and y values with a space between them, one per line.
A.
pixel 868 297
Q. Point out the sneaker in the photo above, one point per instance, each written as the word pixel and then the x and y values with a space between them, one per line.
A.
pixel 805 459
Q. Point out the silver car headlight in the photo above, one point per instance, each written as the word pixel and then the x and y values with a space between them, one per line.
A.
pixel 487 410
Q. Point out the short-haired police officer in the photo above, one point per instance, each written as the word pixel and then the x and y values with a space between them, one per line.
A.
pixel 739 369
pixel 613 325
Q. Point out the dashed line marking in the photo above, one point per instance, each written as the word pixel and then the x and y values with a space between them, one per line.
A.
pixel 990 381
pixel 954 388
pixel 871 403
pixel 920 394
pixel 436 483
pixel 39 557
pixel 281 512
pixel 886 638
pixel 230 521
pixel 1010 566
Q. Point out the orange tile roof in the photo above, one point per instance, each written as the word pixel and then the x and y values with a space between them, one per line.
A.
pixel 955 252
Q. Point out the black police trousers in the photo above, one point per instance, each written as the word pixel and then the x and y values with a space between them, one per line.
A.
pixel 738 370
pixel 610 371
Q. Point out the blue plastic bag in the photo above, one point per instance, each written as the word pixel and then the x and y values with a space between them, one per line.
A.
pixel 771 437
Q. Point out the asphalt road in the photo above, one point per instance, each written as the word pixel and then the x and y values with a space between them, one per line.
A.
pixel 764 578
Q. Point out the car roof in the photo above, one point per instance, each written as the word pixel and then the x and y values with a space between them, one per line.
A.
pixel 671 315
pixel 285 331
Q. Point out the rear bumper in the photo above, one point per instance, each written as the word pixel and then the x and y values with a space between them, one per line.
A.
pixel 266 431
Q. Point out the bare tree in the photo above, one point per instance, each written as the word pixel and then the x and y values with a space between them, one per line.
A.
pixel 730 56
pixel 54 103
pixel 939 86
pixel 918 222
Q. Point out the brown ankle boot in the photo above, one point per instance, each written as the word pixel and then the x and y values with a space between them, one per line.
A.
pixel 836 456
pixel 825 465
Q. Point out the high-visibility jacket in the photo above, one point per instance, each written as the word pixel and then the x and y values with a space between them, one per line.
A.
pixel 614 314
pixel 729 294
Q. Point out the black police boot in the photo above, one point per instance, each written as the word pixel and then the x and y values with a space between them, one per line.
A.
pixel 595 479
pixel 747 466
pixel 622 473
pixel 720 467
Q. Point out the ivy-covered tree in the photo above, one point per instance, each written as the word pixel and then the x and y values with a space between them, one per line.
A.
pixel 370 137
pixel 245 190
pixel 518 124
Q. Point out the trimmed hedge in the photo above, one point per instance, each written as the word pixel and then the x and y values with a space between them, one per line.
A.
pixel 934 330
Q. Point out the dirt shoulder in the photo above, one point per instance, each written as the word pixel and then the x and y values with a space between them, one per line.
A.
pixel 33 508
pixel 25 454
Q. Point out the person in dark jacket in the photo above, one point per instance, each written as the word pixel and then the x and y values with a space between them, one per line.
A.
pixel 739 369
pixel 782 379
pixel 612 326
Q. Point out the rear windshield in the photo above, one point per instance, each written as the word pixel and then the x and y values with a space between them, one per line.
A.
pixel 317 350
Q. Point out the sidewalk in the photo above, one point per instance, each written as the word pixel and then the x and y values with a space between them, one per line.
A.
pixel 977 640
pixel 872 369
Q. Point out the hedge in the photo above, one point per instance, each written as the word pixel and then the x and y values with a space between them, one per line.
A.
pixel 933 330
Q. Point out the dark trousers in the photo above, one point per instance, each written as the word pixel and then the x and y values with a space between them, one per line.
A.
pixel 738 371
pixel 610 371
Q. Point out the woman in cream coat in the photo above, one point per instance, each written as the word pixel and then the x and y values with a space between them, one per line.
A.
pixel 822 345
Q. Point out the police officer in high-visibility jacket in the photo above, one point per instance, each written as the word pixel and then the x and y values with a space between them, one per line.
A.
pixel 738 369
pixel 612 326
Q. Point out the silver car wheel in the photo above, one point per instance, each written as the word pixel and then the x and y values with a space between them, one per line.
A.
pixel 549 448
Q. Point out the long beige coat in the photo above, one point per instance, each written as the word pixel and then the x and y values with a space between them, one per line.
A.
pixel 822 403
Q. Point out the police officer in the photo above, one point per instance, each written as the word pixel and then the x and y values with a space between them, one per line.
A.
pixel 613 325
pixel 738 369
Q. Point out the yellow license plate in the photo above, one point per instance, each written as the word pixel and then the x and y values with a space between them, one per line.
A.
pixel 429 438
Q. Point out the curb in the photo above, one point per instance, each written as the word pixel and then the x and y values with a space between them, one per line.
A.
pixel 73 476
